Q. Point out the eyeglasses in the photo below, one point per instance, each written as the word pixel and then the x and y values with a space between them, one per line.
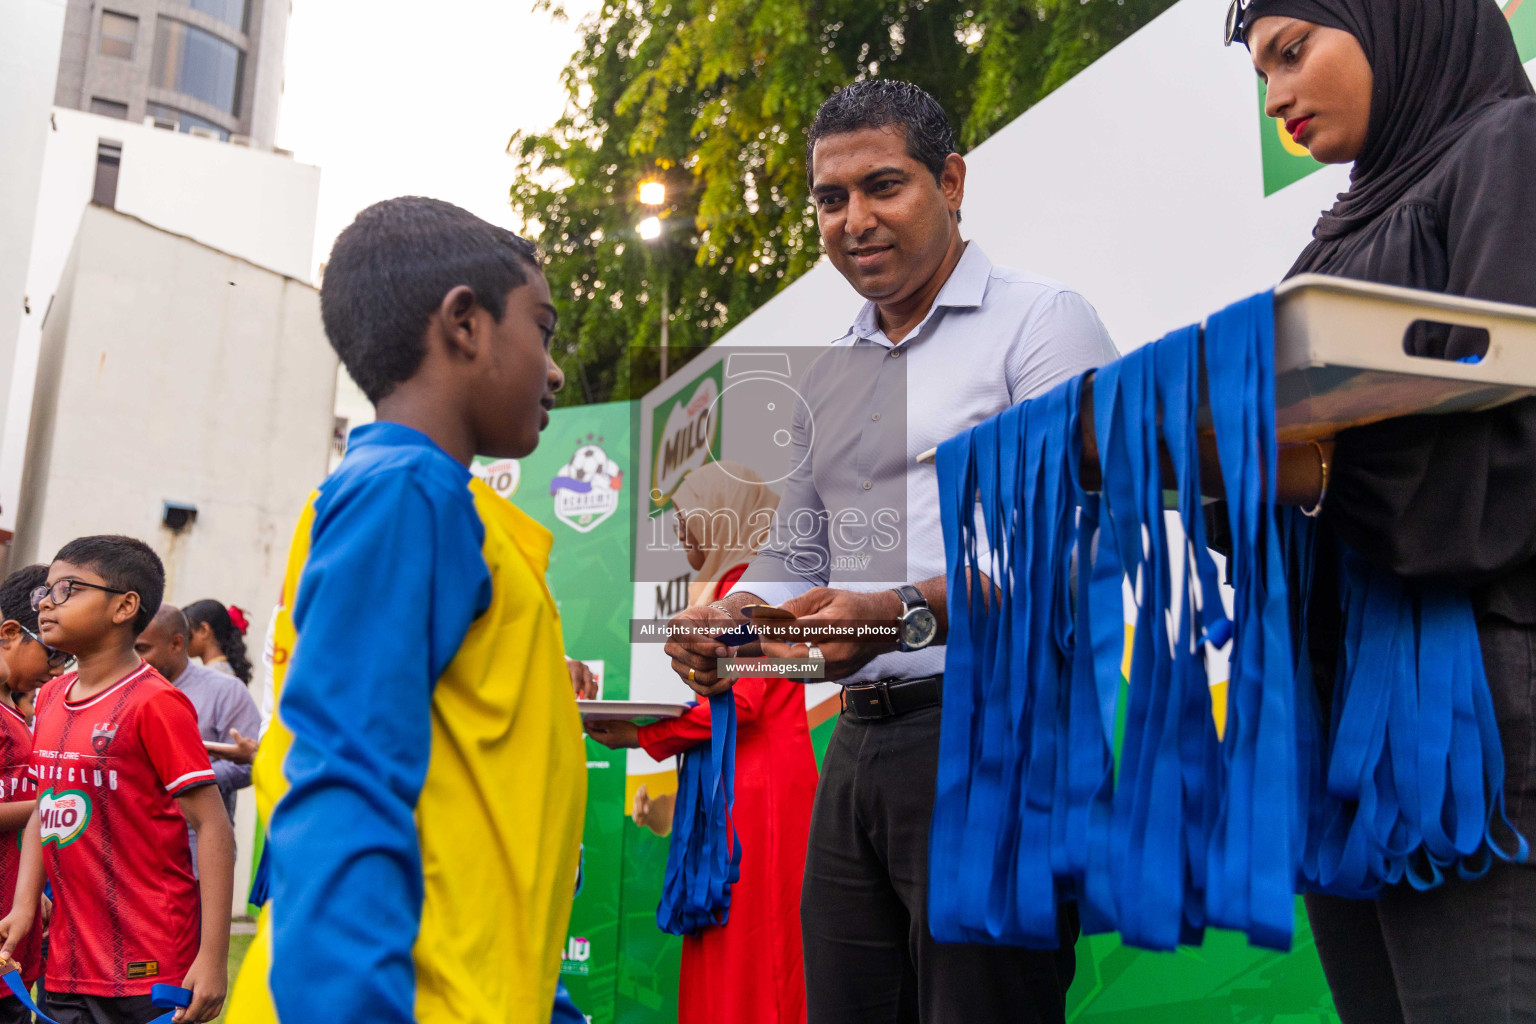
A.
pixel 56 657
pixel 59 592
pixel 1235 26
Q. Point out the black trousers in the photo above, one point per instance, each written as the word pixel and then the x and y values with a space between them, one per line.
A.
pixel 1464 953
pixel 74 1008
pixel 869 958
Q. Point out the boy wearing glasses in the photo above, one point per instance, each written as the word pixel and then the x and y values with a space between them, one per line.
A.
pixel 120 772
pixel 426 761
pixel 29 663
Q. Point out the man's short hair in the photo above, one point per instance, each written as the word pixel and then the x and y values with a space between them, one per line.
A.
pixel 389 271
pixel 174 621
pixel 124 563
pixel 882 103
pixel 16 595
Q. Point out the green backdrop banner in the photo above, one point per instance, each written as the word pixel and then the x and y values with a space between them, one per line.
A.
pixel 620 968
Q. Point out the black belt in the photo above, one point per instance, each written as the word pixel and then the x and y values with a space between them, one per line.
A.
pixel 888 698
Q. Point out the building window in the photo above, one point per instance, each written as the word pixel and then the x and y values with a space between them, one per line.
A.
pixel 109 108
pixel 109 156
pixel 119 34
pixel 230 12
pixel 184 121
pixel 198 64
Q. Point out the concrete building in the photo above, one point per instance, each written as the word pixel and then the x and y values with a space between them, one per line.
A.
pixel 184 397
pixel 257 206
pixel 174 375
pixel 207 67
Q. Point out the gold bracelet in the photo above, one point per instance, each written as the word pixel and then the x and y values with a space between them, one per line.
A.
pixel 1322 492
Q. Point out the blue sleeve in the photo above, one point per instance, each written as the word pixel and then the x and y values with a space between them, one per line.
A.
pixel 565 1011
pixel 394 579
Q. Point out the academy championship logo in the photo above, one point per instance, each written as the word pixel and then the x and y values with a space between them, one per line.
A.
pixel 63 816
pixel 586 489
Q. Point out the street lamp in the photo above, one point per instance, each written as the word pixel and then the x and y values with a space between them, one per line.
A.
pixel 654 194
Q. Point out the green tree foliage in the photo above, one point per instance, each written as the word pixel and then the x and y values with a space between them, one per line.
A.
pixel 713 98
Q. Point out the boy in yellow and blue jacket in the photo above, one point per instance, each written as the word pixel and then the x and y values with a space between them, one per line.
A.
pixel 424 778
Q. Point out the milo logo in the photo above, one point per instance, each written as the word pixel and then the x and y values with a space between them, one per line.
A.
pixel 63 816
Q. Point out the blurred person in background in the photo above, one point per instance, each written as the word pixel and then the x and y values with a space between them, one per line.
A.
pixel 218 638
pixel 749 970
pixel 226 713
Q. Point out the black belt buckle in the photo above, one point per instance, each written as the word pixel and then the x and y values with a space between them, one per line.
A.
pixel 869 701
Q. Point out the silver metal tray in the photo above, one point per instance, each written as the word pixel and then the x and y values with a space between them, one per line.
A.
pixel 1340 363
pixel 1339 359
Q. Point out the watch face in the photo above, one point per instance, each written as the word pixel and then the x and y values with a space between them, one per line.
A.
pixel 919 628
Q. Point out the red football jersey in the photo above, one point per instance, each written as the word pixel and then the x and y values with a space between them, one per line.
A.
pixel 126 912
pixel 16 784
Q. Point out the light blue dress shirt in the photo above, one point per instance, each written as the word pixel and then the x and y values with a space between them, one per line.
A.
pixel 994 337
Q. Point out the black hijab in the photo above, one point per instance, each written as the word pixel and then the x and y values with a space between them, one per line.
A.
pixel 1435 64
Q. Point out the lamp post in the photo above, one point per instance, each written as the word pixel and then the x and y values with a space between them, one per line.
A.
pixel 653 194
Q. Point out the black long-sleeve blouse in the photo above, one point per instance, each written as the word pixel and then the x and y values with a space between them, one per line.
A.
pixel 1449 498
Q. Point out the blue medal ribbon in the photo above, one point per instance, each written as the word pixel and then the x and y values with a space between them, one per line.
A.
pixel 704 858
pixel 1404 784
pixel 171 997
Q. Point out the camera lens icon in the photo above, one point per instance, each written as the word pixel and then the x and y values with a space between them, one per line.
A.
pixel 758 393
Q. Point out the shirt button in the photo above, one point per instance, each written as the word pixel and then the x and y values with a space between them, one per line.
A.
pixel 895 353
pixel 867 485
pixel 876 417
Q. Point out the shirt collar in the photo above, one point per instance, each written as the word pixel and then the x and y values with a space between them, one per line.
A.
pixel 965 289
pixel 384 434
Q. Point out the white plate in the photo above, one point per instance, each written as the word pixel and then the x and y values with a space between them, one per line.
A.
pixel 627 710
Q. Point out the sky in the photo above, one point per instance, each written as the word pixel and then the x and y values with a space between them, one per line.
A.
pixel 387 100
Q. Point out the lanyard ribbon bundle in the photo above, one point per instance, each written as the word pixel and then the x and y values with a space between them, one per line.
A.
pixel 1192 829
pixel 704 859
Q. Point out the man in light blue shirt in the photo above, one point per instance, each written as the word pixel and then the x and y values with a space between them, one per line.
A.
pixel 944 341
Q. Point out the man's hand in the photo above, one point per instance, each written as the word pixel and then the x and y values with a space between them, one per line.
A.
pixel 209 981
pixel 581 679
pixel 13 929
pixel 245 748
pixel 615 735
pixel 844 654
pixel 694 651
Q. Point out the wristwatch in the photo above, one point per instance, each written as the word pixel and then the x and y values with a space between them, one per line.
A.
pixel 918 625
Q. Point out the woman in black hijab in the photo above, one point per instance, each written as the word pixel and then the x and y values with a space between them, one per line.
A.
pixel 1430 102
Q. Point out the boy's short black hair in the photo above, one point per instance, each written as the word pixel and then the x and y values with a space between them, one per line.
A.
pixel 389 271
pixel 16 595
pixel 125 563
pixel 882 103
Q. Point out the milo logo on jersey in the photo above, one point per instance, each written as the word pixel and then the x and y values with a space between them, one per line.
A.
pixel 63 816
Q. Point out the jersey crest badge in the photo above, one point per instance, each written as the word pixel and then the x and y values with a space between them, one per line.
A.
pixel 101 736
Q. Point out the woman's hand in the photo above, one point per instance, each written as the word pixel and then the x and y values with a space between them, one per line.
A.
pixel 582 680
pixel 615 735
pixel 653 813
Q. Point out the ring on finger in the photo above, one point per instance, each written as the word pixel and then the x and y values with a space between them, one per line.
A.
pixel 692 675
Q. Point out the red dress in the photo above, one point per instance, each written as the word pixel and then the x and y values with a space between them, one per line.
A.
pixel 749 970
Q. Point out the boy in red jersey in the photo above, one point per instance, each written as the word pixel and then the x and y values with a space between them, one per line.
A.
pixel 29 663
pixel 121 772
